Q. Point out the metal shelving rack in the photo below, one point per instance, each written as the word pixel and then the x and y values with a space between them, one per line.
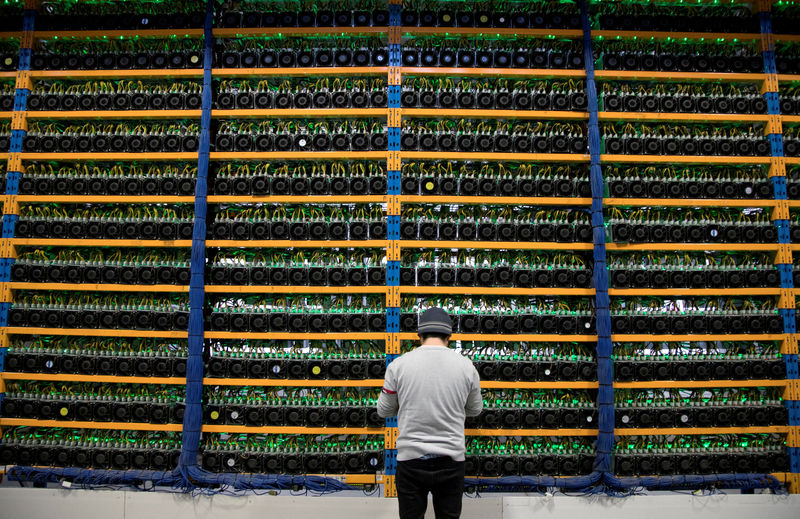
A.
pixel 197 289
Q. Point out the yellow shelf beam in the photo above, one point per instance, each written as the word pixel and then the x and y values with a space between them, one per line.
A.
pixel 290 199
pixel 277 289
pixel 312 113
pixel 701 430
pixel 299 72
pixel 692 246
pixel 650 75
pixel 414 113
pixel 682 159
pixel 498 291
pixel 492 72
pixel 679 117
pixel 302 244
pixel 412 336
pixel 666 292
pixel 97 287
pixel 298 336
pixel 62 242
pixel 298 155
pixel 697 337
pixel 494 245
pixel 494 200
pixel 511 157
pixel 105 199
pixel 177 73
pixel 169 156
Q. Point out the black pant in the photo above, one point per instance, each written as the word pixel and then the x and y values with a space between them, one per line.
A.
pixel 442 477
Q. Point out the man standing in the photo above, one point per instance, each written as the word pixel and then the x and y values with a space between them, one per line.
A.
pixel 431 390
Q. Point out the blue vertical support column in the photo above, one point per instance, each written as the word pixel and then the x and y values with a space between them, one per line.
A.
pixel 780 218
pixel 193 417
pixel 392 229
pixel 605 377
pixel 14 172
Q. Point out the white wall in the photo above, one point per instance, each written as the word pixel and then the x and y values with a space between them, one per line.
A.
pixel 82 504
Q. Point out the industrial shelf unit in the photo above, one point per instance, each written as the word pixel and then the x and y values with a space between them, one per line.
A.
pixel 394 158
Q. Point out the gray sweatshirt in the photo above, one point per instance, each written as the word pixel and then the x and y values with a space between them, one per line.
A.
pixel 431 390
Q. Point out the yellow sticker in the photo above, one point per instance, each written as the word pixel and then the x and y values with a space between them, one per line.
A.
pixel 446 17
pixel 484 18
pixel 214 415
pixel 429 186
pixel 64 411
pixel 316 370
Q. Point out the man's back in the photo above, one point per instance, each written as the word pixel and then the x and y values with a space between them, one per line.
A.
pixel 431 389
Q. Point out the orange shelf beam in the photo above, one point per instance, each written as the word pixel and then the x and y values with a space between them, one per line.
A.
pixel 110 156
pixel 530 432
pixel 8 74
pixel 512 157
pixel 275 289
pixel 411 336
pixel 10 35
pixel 103 199
pixel 666 35
pixel 92 332
pixel 309 114
pixel 24 422
pixel 494 245
pixel 290 155
pixel 59 242
pixel 291 430
pixel 499 291
pixel 677 384
pixel 233 32
pixel 120 74
pixel 276 382
pixel 682 159
pixel 687 202
pixel 92 287
pixel 299 72
pixel 652 75
pixel 691 246
pixel 702 430
pixel 678 117
pixel 120 34
pixel 413 113
pixel 313 199
pixel 304 244
pixel 493 200
pixel 699 337
pixel 288 336
pixel 694 291
pixel 6 115
pixel 489 32
pixel 68 377
pixel 790 118
pixel 492 72
pixel 115 114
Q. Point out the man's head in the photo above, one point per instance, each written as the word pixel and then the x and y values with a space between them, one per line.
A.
pixel 435 327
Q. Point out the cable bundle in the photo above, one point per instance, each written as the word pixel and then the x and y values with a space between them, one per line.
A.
pixel 691 225
pixel 117 54
pixel 529 362
pixel 478 223
pixel 642 139
pixel 708 181
pixel 698 361
pixel 85 402
pixel 90 448
pixel 739 57
pixel 111 137
pixel 324 360
pixel 487 269
pixel 511 53
pixel 325 178
pixel 695 316
pixel 682 97
pixel 286 222
pixel 293 406
pixel 143 222
pixel 505 137
pixel 296 268
pixel 535 409
pixel 115 95
pixel 98 356
pixel 60 16
pixel 361 13
pixel 697 18
pixel 293 454
pixel 108 179
pixel 491 456
pixel 303 94
pixel 440 178
pixel 136 266
pixel 300 52
pixel 699 454
pixel 297 314
pixel 696 271
pixel 507 315
pixel 115 311
pixel 493 94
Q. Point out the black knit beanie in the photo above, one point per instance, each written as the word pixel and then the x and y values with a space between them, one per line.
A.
pixel 435 320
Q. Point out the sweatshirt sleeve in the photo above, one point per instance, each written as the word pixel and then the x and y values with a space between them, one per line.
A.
pixel 387 400
pixel 474 404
